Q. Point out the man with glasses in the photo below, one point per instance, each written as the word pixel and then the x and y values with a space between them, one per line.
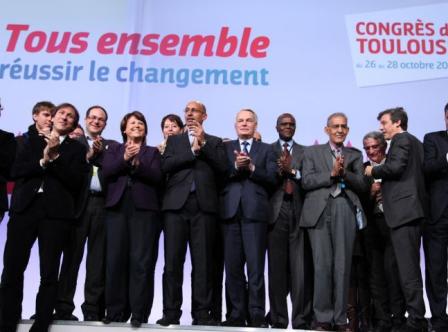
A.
pixel 332 176
pixel 193 162
pixel 387 298
pixel 89 225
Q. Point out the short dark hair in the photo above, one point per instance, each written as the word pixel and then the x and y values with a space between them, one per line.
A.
pixel 377 136
pixel 97 106
pixel 396 114
pixel 173 118
pixel 66 105
pixel 42 104
pixel 285 115
pixel 124 122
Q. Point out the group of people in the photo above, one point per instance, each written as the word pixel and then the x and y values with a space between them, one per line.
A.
pixel 342 237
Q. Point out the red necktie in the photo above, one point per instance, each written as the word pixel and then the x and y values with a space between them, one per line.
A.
pixel 288 184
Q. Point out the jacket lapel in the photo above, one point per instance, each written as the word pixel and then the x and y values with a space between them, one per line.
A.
pixel 254 150
pixel 278 148
pixel 236 145
pixel 328 157
pixel 296 153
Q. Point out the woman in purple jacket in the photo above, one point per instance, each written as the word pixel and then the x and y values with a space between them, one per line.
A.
pixel 133 222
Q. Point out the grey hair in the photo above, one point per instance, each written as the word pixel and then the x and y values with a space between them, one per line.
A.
pixel 336 115
pixel 250 111
pixel 377 136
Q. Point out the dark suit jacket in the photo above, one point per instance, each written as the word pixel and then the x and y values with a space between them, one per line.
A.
pixel 367 201
pixel 98 162
pixel 250 189
pixel 7 154
pixel 182 167
pixel 435 165
pixel 403 185
pixel 61 179
pixel 297 198
pixel 146 177
pixel 317 182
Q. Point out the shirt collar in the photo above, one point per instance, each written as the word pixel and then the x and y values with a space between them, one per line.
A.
pixel 250 140
pixel 290 143
pixel 334 147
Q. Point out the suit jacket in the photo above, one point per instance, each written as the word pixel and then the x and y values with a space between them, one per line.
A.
pixel 367 201
pixel 435 165
pixel 61 180
pixel 318 184
pixel 297 196
pixel 403 184
pixel 7 154
pixel 182 167
pixel 98 162
pixel 251 190
pixel 145 178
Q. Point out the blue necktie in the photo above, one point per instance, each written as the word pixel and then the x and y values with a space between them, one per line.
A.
pixel 245 145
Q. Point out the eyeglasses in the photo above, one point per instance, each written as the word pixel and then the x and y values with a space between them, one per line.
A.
pixel 95 118
pixel 193 110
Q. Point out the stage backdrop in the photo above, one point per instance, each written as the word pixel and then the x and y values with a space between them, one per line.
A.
pixel 307 58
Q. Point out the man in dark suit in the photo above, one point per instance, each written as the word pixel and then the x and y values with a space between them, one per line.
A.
pixel 7 154
pixel 404 203
pixel 193 162
pixel 90 225
pixel 435 234
pixel 289 254
pixel 387 298
pixel 245 211
pixel 41 114
pixel 50 170
pixel 332 175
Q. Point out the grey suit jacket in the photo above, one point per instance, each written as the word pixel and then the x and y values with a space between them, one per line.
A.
pixel 277 198
pixel 317 181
